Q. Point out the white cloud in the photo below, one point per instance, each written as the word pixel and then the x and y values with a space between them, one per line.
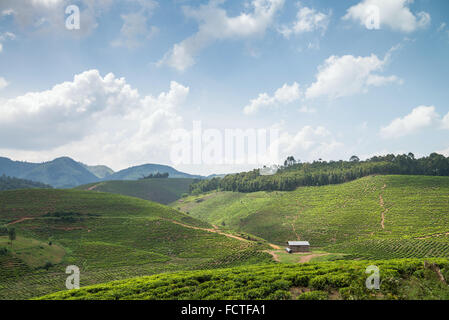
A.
pixel 3 83
pixel 284 95
pixel 92 118
pixel 392 13
pixel 349 75
pixel 309 143
pixel 445 122
pixel 6 36
pixel 306 109
pixel 420 117
pixel 307 20
pixel 134 31
pixel 215 24
pixel 442 27
pixel 47 16
pixel 444 152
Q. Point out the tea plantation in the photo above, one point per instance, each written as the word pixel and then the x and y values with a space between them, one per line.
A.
pixel 399 279
pixel 376 217
pixel 109 237
pixel 158 190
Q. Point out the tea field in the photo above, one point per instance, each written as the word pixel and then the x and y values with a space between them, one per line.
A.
pixel 376 217
pixel 338 280
pixel 109 237
pixel 157 189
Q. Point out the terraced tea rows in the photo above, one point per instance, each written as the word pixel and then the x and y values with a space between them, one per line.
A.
pixel 108 237
pixel 374 217
pixel 399 279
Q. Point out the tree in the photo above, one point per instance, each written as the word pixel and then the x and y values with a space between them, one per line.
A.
pixel 354 159
pixel 290 161
pixel 12 235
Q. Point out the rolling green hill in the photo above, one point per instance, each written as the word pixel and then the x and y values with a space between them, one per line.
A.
pixel 400 279
pixel 158 190
pixel 108 236
pixel 376 217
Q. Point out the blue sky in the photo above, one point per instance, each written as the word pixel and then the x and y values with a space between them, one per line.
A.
pixel 311 69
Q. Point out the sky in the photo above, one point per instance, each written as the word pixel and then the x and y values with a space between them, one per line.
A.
pixel 163 82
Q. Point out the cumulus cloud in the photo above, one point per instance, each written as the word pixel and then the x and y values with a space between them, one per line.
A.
pixel 214 23
pixel 395 14
pixel 307 20
pixel 284 95
pixel 95 118
pixel 309 143
pixel 420 117
pixel 348 75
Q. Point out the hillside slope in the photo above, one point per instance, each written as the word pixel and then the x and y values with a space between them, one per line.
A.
pixel 109 237
pixel 377 217
pixel 400 279
pixel 158 190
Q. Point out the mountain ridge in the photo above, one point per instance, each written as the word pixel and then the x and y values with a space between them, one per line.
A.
pixel 64 172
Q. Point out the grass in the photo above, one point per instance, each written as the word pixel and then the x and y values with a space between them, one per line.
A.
pixel 158 190
pixel 400 279
pixel 109 237
pixel 344 218
pixel 32 252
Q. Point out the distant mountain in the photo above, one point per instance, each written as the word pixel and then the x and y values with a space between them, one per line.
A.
pixel 135 173
pixel 60 173
pixel 99 171
pixel 67 173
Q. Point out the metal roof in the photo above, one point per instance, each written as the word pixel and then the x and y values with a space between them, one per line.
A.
pixel 298 243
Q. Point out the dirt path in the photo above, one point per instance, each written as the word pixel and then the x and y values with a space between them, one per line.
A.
pixel 94 186
pixel 275 256
pixel 382 204
pixel 19 221
pixel 309 257
pixel 216 230
pixel 209 230
pixel 294 230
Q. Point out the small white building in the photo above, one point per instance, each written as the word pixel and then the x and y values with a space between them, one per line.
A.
pixel 298 246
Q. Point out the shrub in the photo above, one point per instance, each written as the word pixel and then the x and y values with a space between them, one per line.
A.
pixel 314 295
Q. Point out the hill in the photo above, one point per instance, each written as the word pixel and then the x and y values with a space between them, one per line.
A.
pixel 340 280
pixel 376 217
pixel 65 172
pixel 295 174
pixel 59 173
pixel 162 191
pixel 108 236
pixel 138 172
pixel 8 183
pixel 99 171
